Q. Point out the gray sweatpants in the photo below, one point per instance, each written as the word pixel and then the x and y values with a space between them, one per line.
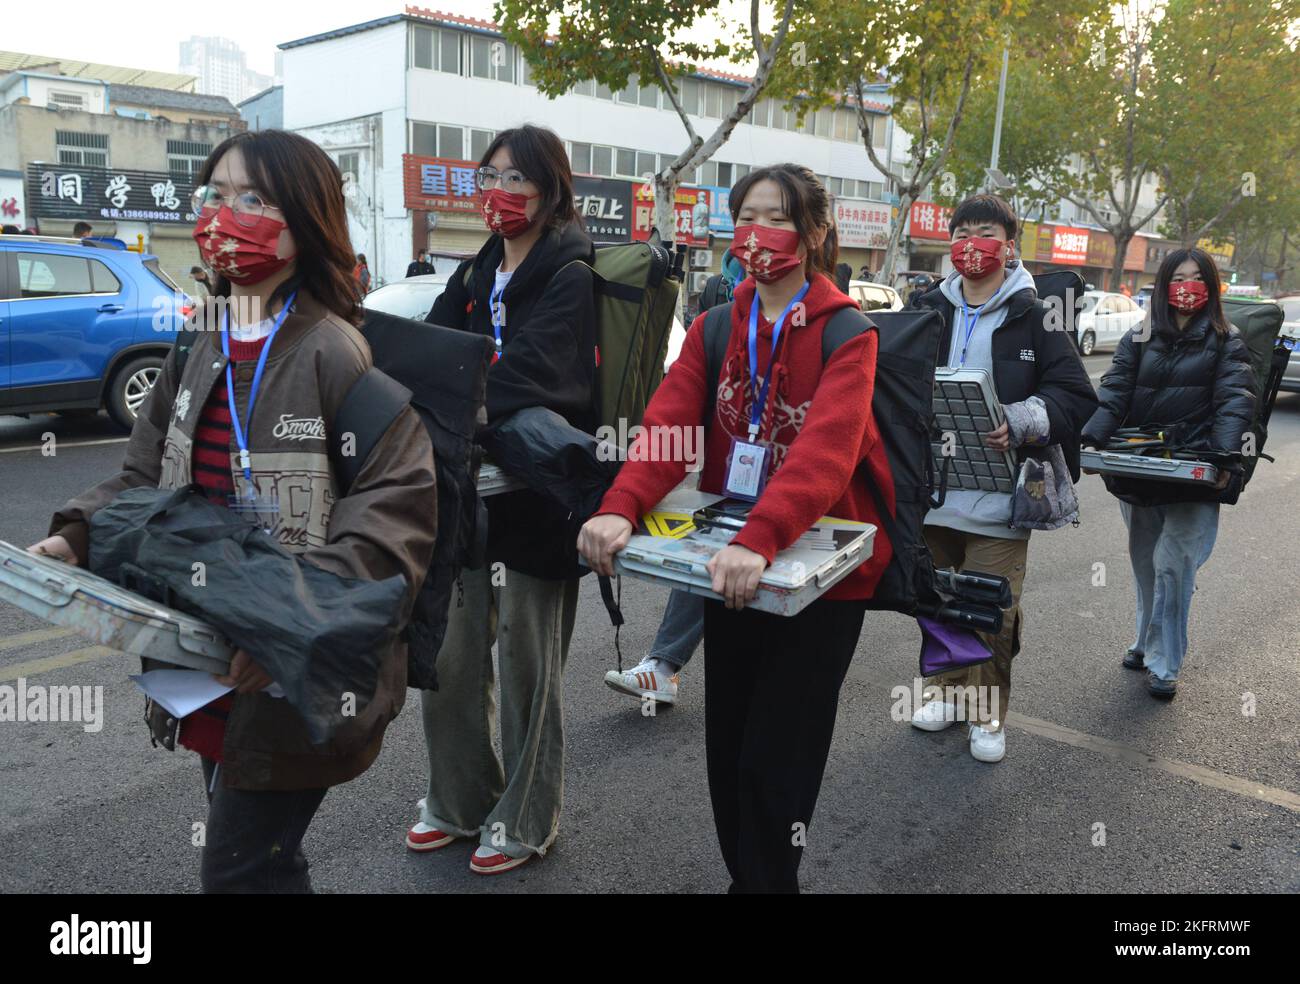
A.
pixel 511 806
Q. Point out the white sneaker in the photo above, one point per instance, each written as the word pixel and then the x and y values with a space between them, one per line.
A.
pixel 935 716
pixel 987 746
pixel 646 679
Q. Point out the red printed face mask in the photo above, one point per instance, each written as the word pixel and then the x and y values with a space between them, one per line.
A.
pixel 767 254
pixel 1188 296
pixel 504 212
pixel 977 257
pixel 241 254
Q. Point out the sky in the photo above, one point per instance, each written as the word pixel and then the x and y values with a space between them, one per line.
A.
pixel 147 33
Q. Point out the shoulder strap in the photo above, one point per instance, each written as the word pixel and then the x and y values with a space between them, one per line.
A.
pixel 845 324
pixel 186 339
pixel 364 416
pixel 717 329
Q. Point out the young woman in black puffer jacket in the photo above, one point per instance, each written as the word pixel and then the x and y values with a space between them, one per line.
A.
pixel 1191 375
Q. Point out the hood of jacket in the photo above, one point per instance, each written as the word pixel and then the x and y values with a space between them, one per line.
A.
pixel 1016 293
pixel 555 248
pixel 822 300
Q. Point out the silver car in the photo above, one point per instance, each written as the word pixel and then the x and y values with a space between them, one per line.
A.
pixel 1290 305
pixel 414 298
pixel 410 298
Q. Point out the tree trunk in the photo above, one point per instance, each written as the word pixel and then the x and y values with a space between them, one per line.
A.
pixel 665 217
pixel 887 266
pixel 1117 265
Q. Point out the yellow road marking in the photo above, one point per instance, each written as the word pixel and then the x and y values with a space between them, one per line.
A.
pixel 31 638
pixel 32 667
pixel 1135 756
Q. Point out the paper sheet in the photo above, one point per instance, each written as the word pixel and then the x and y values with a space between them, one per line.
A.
pixel 181 692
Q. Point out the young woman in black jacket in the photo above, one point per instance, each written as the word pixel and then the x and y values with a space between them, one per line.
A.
pixel 1187 371
pixel 530 289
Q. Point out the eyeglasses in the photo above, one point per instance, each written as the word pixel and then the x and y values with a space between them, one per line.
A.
pixel 248 206
pixel 509 179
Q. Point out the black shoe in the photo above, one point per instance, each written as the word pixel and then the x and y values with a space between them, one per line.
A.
pixel 1164 689
pixel 1133 661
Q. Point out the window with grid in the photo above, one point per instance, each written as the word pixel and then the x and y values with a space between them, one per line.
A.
pixel 625 163
pixel 845 125
pixel 67 100
pixel 349 163
pixel 81 148
pixel 602 161
pixel 688 93
pixel 186 157
pixel 491 58
pixel 580 158
pixel 436 49
pixel 424 139
pixel 451 141
pixel 479 142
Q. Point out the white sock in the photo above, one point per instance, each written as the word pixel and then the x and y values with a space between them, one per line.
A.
pixel 485 852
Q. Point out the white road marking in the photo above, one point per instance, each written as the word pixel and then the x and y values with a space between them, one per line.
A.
pixel 64 444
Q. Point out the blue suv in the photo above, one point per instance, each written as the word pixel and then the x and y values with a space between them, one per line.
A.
pixel 83 325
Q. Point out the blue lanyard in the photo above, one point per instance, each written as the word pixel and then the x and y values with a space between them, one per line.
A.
pixel 494 304
pixel 969 321
pixel 245 462
pixel 756 409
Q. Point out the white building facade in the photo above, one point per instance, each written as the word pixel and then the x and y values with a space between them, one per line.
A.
pixel 404 103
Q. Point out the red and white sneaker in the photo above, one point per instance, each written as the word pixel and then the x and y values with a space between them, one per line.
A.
pixel 422 837
pixel 646 679
pixel 486 861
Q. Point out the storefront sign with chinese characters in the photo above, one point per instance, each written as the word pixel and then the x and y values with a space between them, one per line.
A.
pixel 605 205
pixel 439 184
pixel 862 224
pixel 690 210
pixel 13 207
pixel 69 191
pixel 1070 245
pixel 929 221
pixel 720 221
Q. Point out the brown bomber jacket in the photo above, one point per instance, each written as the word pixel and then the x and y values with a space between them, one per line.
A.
pixel 385 526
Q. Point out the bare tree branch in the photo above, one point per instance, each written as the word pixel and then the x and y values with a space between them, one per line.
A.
pixel 672 95
pixel 864 128
pixel 1209 224
pixel 755 33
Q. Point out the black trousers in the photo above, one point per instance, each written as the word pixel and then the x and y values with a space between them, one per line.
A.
pixel 772 686
pixel 253 840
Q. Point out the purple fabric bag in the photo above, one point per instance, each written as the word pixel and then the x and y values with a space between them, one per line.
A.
pixel 947 647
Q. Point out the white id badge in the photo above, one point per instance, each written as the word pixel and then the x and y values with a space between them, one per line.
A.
pixel 257 508
pixel 747 468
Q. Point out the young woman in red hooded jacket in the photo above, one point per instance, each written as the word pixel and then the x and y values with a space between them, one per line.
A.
pixel 772 682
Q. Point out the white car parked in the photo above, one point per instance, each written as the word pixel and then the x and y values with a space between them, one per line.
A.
pixel 410 298
pixel 413 298
pixel 874 297
pixel 1104 319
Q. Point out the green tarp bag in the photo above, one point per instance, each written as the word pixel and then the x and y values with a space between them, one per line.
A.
pixel 636 298
pixel 1259 322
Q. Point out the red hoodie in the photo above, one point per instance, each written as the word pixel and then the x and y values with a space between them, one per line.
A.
pixel 818 421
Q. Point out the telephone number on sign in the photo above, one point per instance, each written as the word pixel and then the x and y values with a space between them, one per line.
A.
pixel 145 214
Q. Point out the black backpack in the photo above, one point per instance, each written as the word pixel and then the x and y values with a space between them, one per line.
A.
pixel 442 374
pixel 903 407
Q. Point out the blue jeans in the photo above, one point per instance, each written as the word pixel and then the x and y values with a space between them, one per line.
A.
pixel 681 630
pixel 1166 545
